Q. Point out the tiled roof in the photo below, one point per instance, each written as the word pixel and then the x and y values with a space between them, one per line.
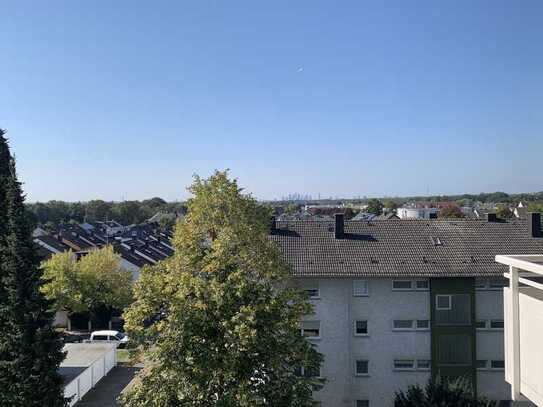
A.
pixel 52 242
pixel 417 248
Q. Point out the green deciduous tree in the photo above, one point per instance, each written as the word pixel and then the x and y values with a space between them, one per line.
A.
pixel 30 350
pixel 535 207
pixel 451 212
pixel 441 392
pixel 96 283
pixel 219 322
pixel 375 206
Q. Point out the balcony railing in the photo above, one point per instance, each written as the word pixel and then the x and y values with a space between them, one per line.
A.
pixel 523 311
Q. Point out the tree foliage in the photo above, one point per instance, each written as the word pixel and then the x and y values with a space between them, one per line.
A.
pixel 535 207
pixel 451 212
pixel 30 350
pixel 441 392
pixel 503 212
pixel 54 213
pixel 94 283
pixel 218 322
pixel 375 206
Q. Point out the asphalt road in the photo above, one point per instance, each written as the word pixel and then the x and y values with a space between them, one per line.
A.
pixel 109 388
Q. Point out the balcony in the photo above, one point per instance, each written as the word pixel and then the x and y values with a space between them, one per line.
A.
pixel 523 311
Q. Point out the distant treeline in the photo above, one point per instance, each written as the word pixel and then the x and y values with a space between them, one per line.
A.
pixel 53 213
pixel 485 197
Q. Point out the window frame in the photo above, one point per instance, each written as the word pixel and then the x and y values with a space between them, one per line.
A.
pixel 417 288
pixel 400 369
pixel 355 327
pixel 411 328
pixel 311 338
pixel 423 368
pixel 366 282
pixel 449 297
pixel 402 281
pixel 356 373
pixel 490 327
pixel 425 328
pixel 483 328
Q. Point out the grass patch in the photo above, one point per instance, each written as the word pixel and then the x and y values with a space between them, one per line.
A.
pixel 122 356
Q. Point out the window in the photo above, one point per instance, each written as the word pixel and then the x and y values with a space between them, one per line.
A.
pixel 311 329
pixel 361 328
pixel 480 364
pixel 422 285
pixel 423 364
pixel 362 403
pixel 497 364
pixel 401 285
pixel 402 324
pixel 480 324
pixel 99 338
pixel 496 324
pixel 400 364
pixel 453 309
pixel 361 367
pixel 360 288
pixel 307 372
pixel 311 287
pixel 423 324
pixel 443 302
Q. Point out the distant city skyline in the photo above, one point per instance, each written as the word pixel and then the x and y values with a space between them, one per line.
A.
pixel 118 100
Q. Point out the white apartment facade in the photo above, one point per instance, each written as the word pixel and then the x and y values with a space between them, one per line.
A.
pixel 386 326
pixel 397 302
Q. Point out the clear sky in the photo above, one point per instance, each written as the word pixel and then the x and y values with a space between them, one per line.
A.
pixel 126 100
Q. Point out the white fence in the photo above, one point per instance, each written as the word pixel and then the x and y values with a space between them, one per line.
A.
pixel 90 376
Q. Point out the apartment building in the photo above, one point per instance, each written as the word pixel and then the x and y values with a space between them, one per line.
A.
pixel 398 301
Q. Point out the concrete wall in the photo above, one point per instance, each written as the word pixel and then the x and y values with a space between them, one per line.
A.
pixel 337 309
pixel 531 334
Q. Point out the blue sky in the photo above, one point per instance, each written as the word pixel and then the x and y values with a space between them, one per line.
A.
pixel 126 100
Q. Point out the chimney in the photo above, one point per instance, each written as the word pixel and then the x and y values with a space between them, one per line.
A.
pixel 273 225
pixel 534 224
pixel 491 217
pixel 339 230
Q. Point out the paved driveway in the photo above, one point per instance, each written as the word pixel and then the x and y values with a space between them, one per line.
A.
pixel 109 388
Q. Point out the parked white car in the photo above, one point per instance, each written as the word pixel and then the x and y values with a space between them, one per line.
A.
pixel 109 336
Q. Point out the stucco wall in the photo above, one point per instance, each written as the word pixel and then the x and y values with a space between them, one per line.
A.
pixel 337 309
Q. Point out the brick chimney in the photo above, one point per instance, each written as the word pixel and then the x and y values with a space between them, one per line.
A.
pixel 534 224
pixel 339 230
pixel 491 217
pixel 273 225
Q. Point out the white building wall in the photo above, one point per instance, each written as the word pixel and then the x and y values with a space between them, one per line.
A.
pixel 490 345
pixel 337 309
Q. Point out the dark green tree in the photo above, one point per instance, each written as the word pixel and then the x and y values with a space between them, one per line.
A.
pixel 375 206
pixel 30 350
pixel 441 392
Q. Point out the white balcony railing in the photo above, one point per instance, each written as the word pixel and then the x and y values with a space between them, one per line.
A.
pixel 523 312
